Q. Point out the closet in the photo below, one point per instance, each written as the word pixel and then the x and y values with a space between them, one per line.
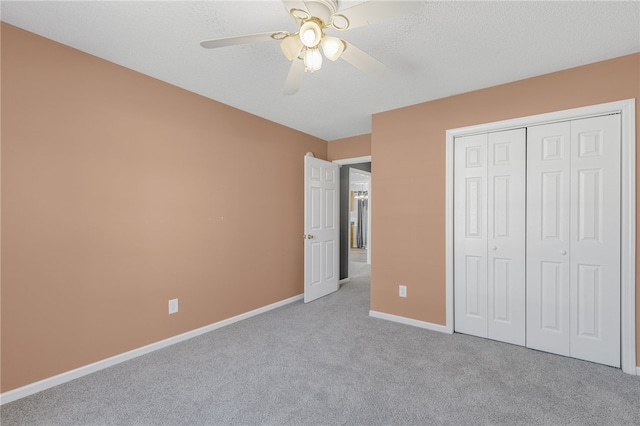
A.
pixel 537 237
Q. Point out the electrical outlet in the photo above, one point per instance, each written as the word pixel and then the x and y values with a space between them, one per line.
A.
pixel 402 291
pixel 173 306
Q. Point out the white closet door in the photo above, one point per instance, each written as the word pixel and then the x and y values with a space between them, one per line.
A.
pixel 489 206
pixel 548 237
pixel 595 237
pixel 470 235
pixel 506 236
pixel 573 239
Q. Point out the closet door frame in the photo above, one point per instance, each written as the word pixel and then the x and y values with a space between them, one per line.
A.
pixel 626 109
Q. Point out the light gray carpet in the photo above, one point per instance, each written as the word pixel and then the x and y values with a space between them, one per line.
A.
pixel 328 362
pixel 358 255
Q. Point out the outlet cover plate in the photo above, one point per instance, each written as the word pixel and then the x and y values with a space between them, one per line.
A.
pixel 402 291
pixel 173 306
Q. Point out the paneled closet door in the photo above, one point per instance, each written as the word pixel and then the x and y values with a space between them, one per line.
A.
pixel 489 206
pixel 595 239
pixel 506 236
pixel 573 239
pixel 548 237
pixel 470 235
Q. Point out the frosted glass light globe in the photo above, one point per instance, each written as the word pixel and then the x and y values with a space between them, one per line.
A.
pixel 312 60
pixel 332 47
pixel 310 34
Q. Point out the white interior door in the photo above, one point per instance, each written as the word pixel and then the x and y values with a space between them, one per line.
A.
pixel 595 237
pixel 470 235
pixel 548 237
pixel 489 220
pixel 506 236
pixel 573 239
pixel 321 228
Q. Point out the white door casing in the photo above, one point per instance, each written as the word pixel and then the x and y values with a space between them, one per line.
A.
pixel 321 228
pixel 489 234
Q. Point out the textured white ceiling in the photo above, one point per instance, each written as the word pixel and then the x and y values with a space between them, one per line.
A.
pixel 444 49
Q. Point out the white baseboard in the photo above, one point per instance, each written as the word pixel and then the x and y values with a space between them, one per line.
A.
pixel 409 321
pixel 638 370
pixel 50 382
pixel 344 281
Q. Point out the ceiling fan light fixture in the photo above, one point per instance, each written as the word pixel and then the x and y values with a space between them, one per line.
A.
pixel 332 47
pixel 311 33
pixel 291 47
pixel 312 60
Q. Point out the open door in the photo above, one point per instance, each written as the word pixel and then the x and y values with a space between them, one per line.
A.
pixel 321 228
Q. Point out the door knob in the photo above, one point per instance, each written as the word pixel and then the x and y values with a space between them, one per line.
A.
pixel 494 248
pixel 563 252
pixel 310 237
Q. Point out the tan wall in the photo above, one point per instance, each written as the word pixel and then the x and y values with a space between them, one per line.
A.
pixel 120 192
pixel 408 147
pixel 353 147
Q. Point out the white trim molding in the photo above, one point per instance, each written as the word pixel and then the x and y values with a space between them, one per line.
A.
pixel 627 111
pixel 59 379
pixel 409 321
pixel 354 160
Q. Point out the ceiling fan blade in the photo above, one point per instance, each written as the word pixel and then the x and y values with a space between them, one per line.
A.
pixel 363 61
pixel 294 78
pixel 374 11
pixel 232 41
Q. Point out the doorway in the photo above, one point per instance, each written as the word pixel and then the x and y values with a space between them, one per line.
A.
pixel 359 184
pixel 359 220
pixel 361 166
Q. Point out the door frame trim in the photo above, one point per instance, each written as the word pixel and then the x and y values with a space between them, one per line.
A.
pixel 353 160
pixel 627 111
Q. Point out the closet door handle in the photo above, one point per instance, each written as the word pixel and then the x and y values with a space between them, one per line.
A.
pixel 563 252
pixel 494 248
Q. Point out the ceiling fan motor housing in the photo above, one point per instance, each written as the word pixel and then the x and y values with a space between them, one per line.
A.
pixel 322 9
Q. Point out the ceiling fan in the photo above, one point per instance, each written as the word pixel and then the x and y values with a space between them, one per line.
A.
pixel 314 17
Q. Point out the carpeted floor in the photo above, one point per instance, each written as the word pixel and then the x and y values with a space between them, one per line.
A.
pixel 358 255
pixel 328 363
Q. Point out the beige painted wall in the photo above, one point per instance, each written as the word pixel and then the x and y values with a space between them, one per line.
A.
pixel 353 147
pixel 120 192
pixel 408 147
